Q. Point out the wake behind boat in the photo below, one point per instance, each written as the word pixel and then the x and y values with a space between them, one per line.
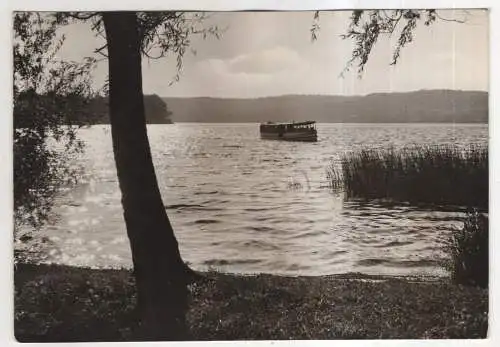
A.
pixel 300 131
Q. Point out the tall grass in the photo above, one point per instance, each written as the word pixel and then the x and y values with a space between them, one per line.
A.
pixel 421 174
pixel 468 251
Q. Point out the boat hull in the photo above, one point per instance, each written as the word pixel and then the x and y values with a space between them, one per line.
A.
pixel 295 136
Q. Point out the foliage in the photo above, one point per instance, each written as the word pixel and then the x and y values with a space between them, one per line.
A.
pixel 367 26
pixel 51 97
pixel 48 95
pixel 59 303
pixel 468 250
pixel 420 174
pixel 162 33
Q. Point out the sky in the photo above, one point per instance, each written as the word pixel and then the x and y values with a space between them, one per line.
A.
pixel 271 53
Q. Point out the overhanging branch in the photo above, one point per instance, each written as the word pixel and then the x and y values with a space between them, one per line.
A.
pixel 450 19
pixel 82 15
pixel 100 49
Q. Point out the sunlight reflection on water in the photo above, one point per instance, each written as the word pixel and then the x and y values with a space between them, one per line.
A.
pixel 241 204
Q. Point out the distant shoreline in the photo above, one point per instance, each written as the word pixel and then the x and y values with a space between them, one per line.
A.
pixel 424 106
pixel 328 95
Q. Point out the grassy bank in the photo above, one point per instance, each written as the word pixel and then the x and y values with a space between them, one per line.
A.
pixel 423 174
pixel 60 303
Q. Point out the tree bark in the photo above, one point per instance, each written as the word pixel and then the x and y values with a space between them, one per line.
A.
pixel 161 275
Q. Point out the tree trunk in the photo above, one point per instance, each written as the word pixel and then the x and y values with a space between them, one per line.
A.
pixel 161 275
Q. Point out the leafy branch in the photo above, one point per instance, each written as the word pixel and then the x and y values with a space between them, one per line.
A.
pixel 367 26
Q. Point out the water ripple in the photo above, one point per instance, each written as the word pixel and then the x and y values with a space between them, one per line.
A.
pixel 259 206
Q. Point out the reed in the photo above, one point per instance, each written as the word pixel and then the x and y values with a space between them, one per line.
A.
pixel 468 251
pixel 446 175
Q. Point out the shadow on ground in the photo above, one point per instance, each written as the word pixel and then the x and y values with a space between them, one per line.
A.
pixel 60 303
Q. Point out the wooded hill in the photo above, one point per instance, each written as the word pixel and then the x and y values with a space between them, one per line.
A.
pixel 156 110
pixel 424 106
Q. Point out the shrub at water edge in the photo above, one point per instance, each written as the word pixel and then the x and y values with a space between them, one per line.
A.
pixel 468 251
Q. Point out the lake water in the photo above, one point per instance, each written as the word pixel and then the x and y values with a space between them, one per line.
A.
pixel 245 205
